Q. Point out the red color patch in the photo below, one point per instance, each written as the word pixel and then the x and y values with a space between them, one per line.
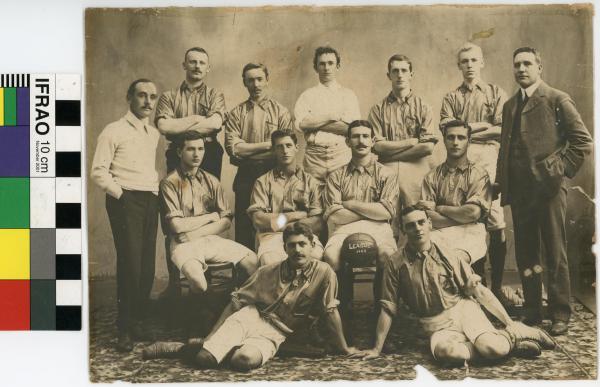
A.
pixel 14 305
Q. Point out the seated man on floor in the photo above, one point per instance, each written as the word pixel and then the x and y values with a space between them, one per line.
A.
pixel 360 197
pixel 457 195
pixel 276 301
pixel 439 286
pixel 194 208
pixel 282 196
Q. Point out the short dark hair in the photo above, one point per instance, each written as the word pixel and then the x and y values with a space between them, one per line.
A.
pixel 297 228
pixel 131 88
pixel 412 208
pixel 252 66
pixel 358 123
pixel 399 58
pixel 326 50
pixel 180 139
pixel 283 133
pixel 197 49
pixel 453 124
pixel 535 52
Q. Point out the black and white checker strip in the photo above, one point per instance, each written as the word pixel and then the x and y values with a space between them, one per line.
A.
pixel 14 80
pixel 69 290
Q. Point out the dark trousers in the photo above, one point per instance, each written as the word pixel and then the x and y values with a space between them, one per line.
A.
pixel 242 186
pixel 540 239
pixel 133 221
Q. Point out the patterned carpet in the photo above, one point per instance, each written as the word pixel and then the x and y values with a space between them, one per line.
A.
pixel 575 357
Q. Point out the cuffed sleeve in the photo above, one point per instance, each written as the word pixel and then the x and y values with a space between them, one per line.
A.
pixel 390 287
pixel 332 195
pixel 301 110
pixel 428 191
pixel 164 108
pixel 233 133
pixel 375 120
pixel 480 191
pixel 169 201
pixel 259 198
pixel 389 191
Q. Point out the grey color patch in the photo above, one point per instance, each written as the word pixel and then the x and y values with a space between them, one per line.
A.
pixel 43 253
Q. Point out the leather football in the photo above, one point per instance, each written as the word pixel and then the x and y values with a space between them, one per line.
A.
pixel 359 250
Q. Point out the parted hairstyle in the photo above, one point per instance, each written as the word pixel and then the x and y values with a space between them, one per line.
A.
pixel 399 58
pixel 453 124
pixel 468 47
pixel 283 133
pixel 197 49
pixel 357 123
pixel 252 66
pixel 180 139
pixel 326 50
pixel 297 228
pixel 535 52
pixel 131 88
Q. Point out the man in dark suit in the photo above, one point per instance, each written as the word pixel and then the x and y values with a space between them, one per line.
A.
pixel 543 140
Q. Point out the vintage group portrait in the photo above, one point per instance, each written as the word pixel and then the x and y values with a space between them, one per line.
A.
pixel 340 193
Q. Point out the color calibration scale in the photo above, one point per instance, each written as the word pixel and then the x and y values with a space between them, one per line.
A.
pixel 40 202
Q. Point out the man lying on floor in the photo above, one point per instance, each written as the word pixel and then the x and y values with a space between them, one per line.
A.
pixel 443 291
pixel 278 299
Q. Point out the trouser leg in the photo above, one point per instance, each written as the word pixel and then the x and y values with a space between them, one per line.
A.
pixel 114 208
pixel 526 221
pixel 244 230
pixel 497 252
pixel 149 252
pixel 554 240
pixel 127 217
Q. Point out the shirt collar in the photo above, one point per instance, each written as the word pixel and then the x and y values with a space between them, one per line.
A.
pixel 413 255
pixel 531 89
pixel 188 175
pixel 332 86
pixel 369 168
pixel 278 174
pixel 391 98
pixel 477 84
pixel 136 122
pixel 461 167
pixel 250 103
pixel 185 86
pixel 288 275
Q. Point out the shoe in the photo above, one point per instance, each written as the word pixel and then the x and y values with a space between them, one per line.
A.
pixel 527 349
pixel 521 332
pixel 559 327
pixel 162 350
pixel 124 343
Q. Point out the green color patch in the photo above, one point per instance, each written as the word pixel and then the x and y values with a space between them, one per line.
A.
pixel 10 106
pixel 14 202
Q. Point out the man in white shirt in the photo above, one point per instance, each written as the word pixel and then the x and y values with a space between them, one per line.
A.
pixel 323 113
pixel 124 167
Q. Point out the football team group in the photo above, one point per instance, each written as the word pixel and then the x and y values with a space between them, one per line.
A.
pixel 365 192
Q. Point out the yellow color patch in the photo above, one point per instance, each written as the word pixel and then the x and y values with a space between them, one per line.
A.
pixel 1 107
pixel 14 254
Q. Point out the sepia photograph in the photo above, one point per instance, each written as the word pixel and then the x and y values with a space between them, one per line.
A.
pixel 340 193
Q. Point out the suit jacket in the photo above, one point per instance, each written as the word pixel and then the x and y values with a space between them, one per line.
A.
pixel 554 134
